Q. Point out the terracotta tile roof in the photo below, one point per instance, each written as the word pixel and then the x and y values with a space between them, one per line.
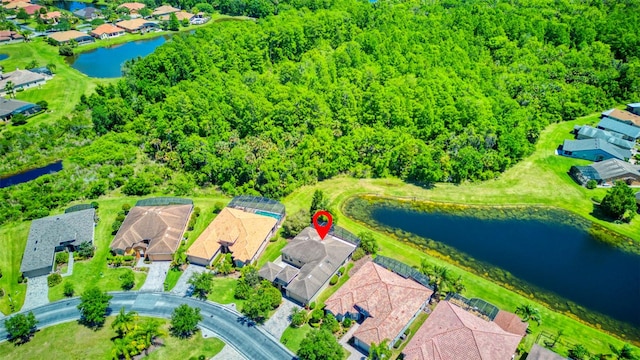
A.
pixel 133 6
pixel 390 299
pixel 623 115
pixel 164 9
pixel 32 9
pixel 511 322
pixel 162 226
pixel 17 5
pixel 244 231
pixel 106 29
pixel 451 333
pixel 51 15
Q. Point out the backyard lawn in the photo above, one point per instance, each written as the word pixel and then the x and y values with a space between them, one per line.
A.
pixel 292 337
pixel 73 341
pixel 223 291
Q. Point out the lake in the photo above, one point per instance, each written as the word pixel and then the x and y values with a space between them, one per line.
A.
pixel 74 5
pixel 30 174
pixel 107 62
pixel 557 257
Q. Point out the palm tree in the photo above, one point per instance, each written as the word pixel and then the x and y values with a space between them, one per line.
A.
pixel 439 279
pixel 25 34
pixel 528 312
pixel 380 351
pixel 122 349
pixel 9 88
pixel 625 352
pixel 148 331
pixel 125 322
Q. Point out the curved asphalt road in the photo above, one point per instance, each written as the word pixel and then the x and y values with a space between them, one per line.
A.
pixel 249 340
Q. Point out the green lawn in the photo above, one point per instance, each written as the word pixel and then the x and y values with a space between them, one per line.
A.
pixel 272 251
pixel 223 290
pixel 333 288
pixel 73 341
pixel 292 337
pixel 172 279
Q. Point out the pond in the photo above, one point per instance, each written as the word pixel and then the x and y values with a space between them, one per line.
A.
pixel 29 175
pixel 107 62
pixel 74 5
pixel 4 56
pixel 557 257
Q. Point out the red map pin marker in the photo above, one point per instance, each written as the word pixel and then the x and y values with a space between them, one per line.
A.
pixel 322 230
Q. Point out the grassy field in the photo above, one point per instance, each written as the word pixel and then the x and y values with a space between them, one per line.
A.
pixel 292 337
pixel 73 341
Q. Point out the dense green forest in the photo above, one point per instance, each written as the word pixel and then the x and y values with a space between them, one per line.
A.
pixel 425 91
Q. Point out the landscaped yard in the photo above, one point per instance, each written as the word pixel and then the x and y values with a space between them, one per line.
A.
pixel 223 291
pixel 73 341
pixel 292 337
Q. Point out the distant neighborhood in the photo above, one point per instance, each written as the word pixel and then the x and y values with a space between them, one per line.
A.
pixel 88 24
pixel 384 302
pixel 612 146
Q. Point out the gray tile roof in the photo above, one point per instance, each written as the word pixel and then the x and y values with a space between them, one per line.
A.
pixel 593 133
pixel 614 168
pixel 320 258
pixel 45 234
pixel 594 144
pixel 619 127
pixel 287 274
pixel 20 78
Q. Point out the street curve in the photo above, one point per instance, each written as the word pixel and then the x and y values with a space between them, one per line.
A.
pixel 250 340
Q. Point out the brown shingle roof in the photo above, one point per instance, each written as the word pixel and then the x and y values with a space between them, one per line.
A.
pixel 245 231
pixel 390 299
pixel 451 333
pixel 181 15
pixel 511 322
pixel 133 24
pixel 162 226
pixel 623 115
pixel 106 29
pixel 51 15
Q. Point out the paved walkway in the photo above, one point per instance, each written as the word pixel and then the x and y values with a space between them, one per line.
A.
pixel 182 287
pixel 37 292
pixel 354 354
pixel 155 278
pixel 69 265
pixel 279 322
pixel 228 353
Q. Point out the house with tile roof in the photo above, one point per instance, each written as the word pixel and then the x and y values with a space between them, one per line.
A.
pixel 243 234
pixel 180 15
pixel 627 117
pixel 52 234
pixel 89 13
pixel 164 10
pixel 21 79
pixel 307 264
pixel 51 17
pixel 627 132
pixel 594 150
pixel 452 333
pixel 107 31
pixel 383 302
pixel 154 232
pixel 33 9
pixel 9 35
pixel 11 107
pixel 137 25
pixel 64 37
pixel 133 7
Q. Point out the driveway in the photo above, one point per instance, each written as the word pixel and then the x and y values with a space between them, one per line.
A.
pixel 354 354
pixel 155 278
pixel 251 341
pixel 228 353
pixel 182 287
pixel 279 322
pixel 37 292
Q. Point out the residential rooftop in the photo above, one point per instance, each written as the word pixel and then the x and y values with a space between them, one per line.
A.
pixel 47 233
pixel 64 36
pixel 389 299
pixel 537 352
pixel 594 144
pixel 619 127
pixel 8 106
pixel 623 115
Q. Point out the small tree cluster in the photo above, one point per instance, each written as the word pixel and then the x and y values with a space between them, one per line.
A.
pixel 368 243
pixel 85 250
pixel 261 301
pixel 202 284
pixel 184 321
pixel 225 265
pixel 127 279
pixel 620 202
pixel 68 289
pixel 62 257
pixel 320 345
pixel 54 279
pixel 93 307
pixel 133 337
pixel 21 327
pixel 295 223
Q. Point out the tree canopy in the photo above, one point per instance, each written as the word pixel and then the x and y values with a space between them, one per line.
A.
pixel 320 345
pixel 21 327
pixel 620 202
pixel 444 91
pixel 184 321
pixel 93 307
